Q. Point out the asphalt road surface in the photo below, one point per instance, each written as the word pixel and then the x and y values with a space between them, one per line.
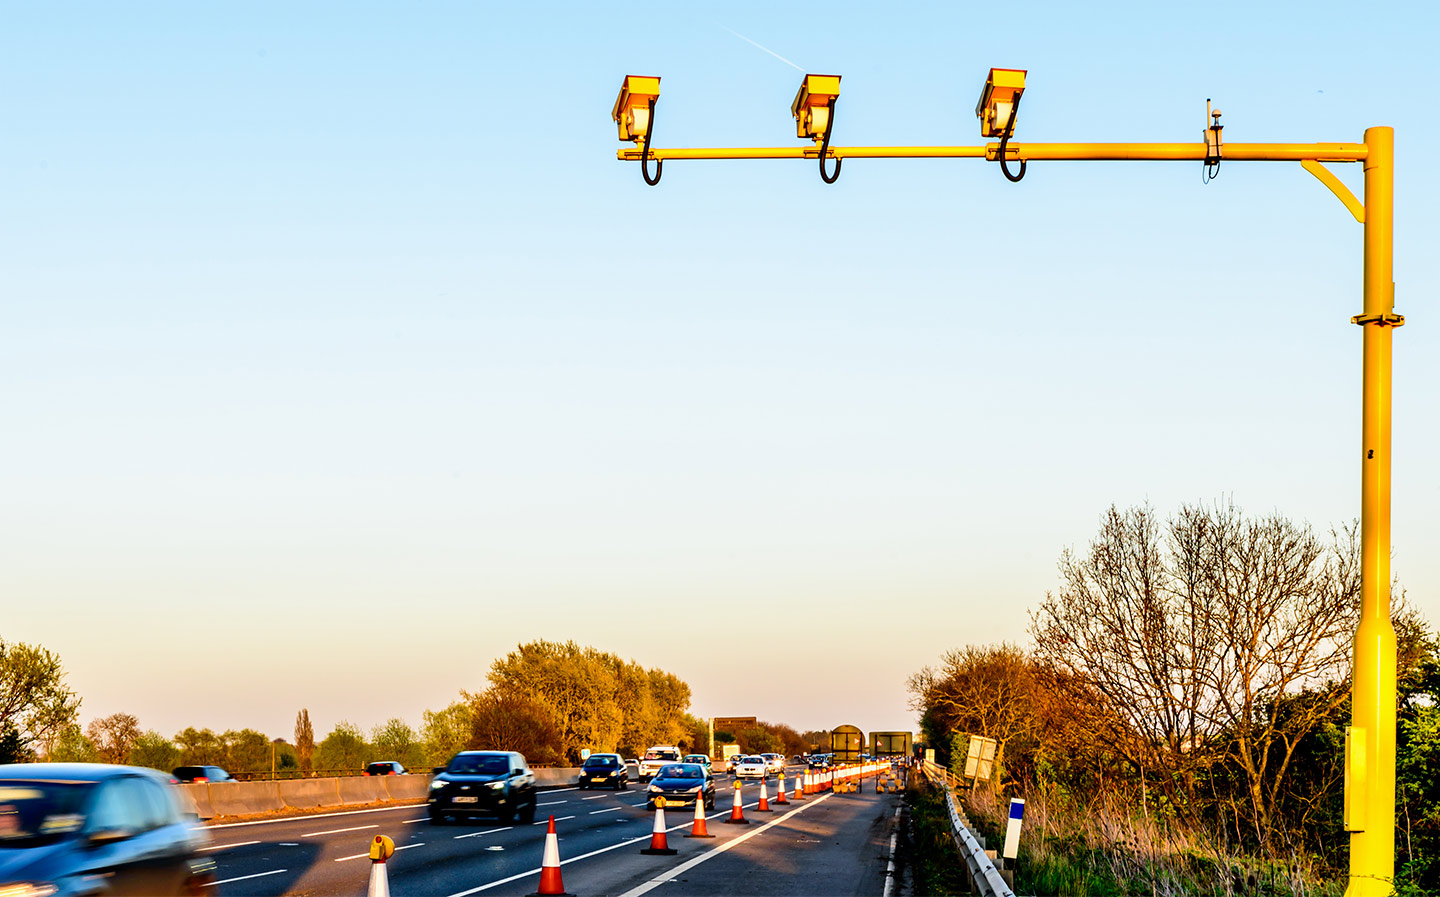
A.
pixel 830 844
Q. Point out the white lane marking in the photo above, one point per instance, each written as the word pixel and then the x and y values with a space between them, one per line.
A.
pixel 413 821
pixel 671 874
pixel 890 866
pixel 557 819
pixel 592 813
pixel 551 803
pixel 596 797
pixel 367 855
pixel 211 884
pixel 336 831
pixel 486 832
pixel 312 816
pixel 289 843
pixel 223 846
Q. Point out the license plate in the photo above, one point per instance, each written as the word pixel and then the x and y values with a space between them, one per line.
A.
pixel 467 800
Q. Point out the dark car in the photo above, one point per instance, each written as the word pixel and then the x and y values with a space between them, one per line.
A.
pixel 604 770
pixel 483 783
pixel 680 785
pixel 384 768
pixel 82 828
pixel 188 774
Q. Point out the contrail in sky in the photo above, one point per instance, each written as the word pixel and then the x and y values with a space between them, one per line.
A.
pixel 765 48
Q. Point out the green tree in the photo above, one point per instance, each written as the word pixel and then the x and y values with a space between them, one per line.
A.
pixel 71 746
pixel 304 739
pixel 35 702
pixel 199 747
pixel 246 750
pixel 447 732
pixel 344 749
pixel 12 747
pixel 395 740
pixel 508 721
pixel 113 736
pixel 155 751
pixel 758 740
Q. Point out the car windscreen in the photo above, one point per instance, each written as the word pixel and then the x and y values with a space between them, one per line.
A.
pixel 602 761
pixel 36 813
pixel 662 755
pixel 490 765
pixel 681 771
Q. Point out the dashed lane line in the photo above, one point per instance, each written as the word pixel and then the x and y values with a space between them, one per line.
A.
pixel 486 832
pixel 366 855
pixel 224 846
pixel 336 831
pixel 211 884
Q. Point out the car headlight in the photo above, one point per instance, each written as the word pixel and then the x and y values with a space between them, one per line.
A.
pixel 28 889
pixel 438 784
pixel 656 788
pixel 496 785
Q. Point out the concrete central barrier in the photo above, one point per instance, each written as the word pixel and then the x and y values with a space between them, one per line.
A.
pixel 211 799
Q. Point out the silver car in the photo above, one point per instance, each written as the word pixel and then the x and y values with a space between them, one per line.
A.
pixel 774 763
pixel 749 768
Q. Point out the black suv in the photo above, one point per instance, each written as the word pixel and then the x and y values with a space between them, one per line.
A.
pixel 483 783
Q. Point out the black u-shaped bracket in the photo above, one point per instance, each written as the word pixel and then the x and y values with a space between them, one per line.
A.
pixel 825 148
pixel 1004 141
pixel 645 151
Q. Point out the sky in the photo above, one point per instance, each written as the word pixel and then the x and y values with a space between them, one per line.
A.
pixel 339 355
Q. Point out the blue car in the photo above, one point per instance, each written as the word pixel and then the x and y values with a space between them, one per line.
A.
pixel 681 785
pixel 66 826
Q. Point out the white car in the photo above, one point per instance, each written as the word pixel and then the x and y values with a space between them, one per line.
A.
pixel 774 762
pixel 749 768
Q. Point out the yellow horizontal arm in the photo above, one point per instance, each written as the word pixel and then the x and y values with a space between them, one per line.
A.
pixel 1160 152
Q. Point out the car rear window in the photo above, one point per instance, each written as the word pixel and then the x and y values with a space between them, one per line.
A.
pixel 600 761
pixel 681 771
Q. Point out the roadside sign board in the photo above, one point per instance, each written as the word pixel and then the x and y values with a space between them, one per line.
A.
pixel 980 758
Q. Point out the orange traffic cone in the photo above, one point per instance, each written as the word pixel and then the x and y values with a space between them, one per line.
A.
pixel 658 845
pixel 737 815
pixel 697 830
pixel 800 785
pixel 764 805
pixel 780 797
pixel 550 882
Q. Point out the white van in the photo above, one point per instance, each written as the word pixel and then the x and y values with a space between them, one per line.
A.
pixel 656 757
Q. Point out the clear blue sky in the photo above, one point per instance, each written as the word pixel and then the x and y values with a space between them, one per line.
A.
pixel 340 355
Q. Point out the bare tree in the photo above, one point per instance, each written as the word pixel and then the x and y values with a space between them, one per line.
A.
pixel 1195 634
pixel 114 736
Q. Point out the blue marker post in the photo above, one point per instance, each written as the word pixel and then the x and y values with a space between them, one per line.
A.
pixel 1012 833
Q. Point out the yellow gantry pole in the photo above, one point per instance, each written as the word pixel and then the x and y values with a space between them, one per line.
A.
pixel 1073 152
pixel 1370 761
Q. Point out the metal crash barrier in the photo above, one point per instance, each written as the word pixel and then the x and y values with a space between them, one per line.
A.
pixel 982 869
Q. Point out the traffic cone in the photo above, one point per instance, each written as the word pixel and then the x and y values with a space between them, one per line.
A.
pixel 809 782
pixel 697 830
pixel 658 845
pixel 764 805
pixel 381 849
pixel 780 797
pixel 737 815
pixel 800 786
pixel 550 882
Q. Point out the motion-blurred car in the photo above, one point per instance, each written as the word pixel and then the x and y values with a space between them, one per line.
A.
pixel 680 785
pixel 774 762
pixel 819 761
pixel 483 783
pixel 188 774
pixel 89 828
pixel 750 767
pixel 384 768
pixel 604 770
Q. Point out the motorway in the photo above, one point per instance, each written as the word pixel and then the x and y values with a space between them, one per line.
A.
pixel 825 844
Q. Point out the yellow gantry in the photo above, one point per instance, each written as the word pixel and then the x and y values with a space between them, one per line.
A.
pixel 1369 812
